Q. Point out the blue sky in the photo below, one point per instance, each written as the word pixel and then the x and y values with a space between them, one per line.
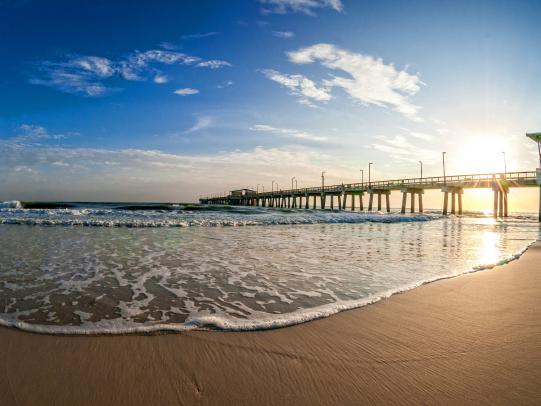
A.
pixel 171 100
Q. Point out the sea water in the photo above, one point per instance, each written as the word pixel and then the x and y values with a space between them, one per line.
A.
pixel 89 268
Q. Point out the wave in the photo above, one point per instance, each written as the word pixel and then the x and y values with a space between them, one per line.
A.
pixel 13 204
pixel 104 218
pixel 265 321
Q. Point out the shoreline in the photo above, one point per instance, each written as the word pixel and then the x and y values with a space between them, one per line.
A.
pixel 472 339
pixel 307 315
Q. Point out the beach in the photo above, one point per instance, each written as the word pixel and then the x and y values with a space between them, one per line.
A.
pixel 473 339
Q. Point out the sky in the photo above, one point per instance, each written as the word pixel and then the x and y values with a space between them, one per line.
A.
pixel 169 100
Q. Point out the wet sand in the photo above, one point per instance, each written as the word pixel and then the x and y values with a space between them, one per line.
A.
pixel 474 339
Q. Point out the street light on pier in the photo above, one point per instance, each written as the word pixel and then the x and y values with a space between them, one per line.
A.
pixel 362 177
pixel 421 162
pixel 443 158
pixel 322 179
pixel 257 189
pixel 272 187
pixel 369 165
pixel 293 179
pixel 504 165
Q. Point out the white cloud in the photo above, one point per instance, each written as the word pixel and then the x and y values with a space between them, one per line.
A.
pixel 288 132
pixel 30 132
pixel 299 86
pixel 160 79
pixel 400 148
pixel 200 35
pixel 87 75
pixel 187 91
pixel 283 34
pixel 213 64
pixel 370 80
pixel 298 6
pixel 32 172
pixel 201 123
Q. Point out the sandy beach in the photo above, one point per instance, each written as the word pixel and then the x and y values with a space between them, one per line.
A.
pixel 474 339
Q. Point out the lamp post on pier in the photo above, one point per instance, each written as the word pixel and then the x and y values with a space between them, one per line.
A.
pixel 504 166
pixel 293 180
pixel 443 158
pixel 362 177
pixel 257 189
pixel 369 165
pixel 322 179
pixel 421 162
pixel 272 187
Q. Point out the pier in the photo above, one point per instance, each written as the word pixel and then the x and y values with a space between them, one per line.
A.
pixel 378 192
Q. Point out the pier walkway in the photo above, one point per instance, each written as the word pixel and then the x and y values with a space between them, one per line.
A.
pixel 451 186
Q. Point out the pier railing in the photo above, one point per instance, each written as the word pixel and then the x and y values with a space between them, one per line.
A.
pixel 525 178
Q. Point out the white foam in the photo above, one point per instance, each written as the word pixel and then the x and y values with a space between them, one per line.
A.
pixel 221 321
pixel 13 204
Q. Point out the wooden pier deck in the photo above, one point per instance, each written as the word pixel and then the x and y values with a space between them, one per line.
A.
pixel 451 186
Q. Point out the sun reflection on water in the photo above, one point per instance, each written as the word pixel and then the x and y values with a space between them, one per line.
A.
pixel 488 250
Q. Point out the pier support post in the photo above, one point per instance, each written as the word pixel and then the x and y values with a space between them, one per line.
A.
pixel 361 208
pixel 500 211
pixel 412 208
pixel 371 200
pixel 421 202
pixel 332 202
pixel 453 203
pixel 495 211
pixel 404 198
pixel 344 200
pixel 387 204
pixel 323 198
pixel 339 202
pixel 460 203
pixel 314 202
pixel 445 200
pixel 379 201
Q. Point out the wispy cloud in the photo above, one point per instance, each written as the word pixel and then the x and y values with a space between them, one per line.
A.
pixel 370 80
pixel 213 64
pixel 283 34
pixel 288 133
pixel 201 123
pixel 31 132
pixel 399 147
pixel 200 35
pixel 87 75
pixel 187 91
pixel 35 172
pixel 299 86
pixel 298 6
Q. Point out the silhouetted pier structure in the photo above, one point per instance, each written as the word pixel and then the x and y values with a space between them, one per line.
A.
pixel 451 186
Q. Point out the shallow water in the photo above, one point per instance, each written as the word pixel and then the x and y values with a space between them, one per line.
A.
pixel 88 269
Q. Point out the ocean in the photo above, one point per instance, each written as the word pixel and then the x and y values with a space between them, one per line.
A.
pixel 116 268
